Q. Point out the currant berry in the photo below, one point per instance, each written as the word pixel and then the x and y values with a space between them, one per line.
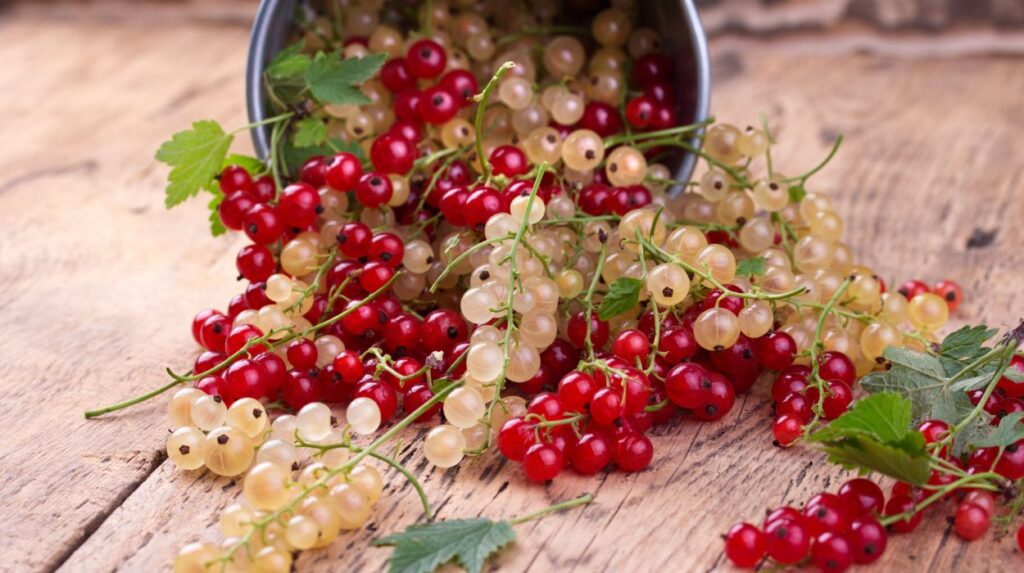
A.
pixel 631 345
pixel 388 249
pixel 374 190
pixel 577 330
pixel 426 59
pixel 868 540
pixel 395 76
pixel 787 429
pixel 234 178
pixel 775 350
pixel 214 332
pixel 575 390
pixel 971 521
pixel 437 106
pixel 299 205
pixel 863 497
pixel 913 288
pixel 744 545
pixel 262 224
pixel 832 552
pixel 678 344
pixel 837 366
pixel 786 541
pixel 950 292
pixel 640 112
pixel 716 399
pixel 592 453
pixel 633 452
pixel 900 504
pixel 542 462
pixel 461 84
pixel 515 437
pixel 442 329
pixel 606 406
pixel 302 354
pixel 392 154
pixel 508 160
pixel 233 208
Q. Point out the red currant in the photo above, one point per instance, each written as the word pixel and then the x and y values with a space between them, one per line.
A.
pixel 863 497
pixel 1008 386
pixel 199 319
pixel 639 111
pixel 426 59
pixel 633 452
pixel 312 171
pixel 897 505
pixel 606 406
pixel 343 172
pixel 300 389
pixel 775 350
pixel 577 330
pixel 392 154
pixel 382 394
pixel 415 397
pixel 576 389
pixel 461 84
pixel 264 189
pixel 971 521
pixel 678 344
pixel 950 292
pixel 374 189
pixel 868 540
pixel 437 106
pixel 234 178
pixel 388 249
pixel 395 76
pixel 542 462
pixel 832 552
pixel 744 545
pixel 912 288
pixel 244 379
pixel 787 429
pixel 442 329
pixel 240 335
pixel 652 68
pixel 508 160
pixel 299 205
pixel 786 541
pixel 214 332
pixel 835 365
pixel 275 372
pixel 601 118
pixel 631 345
pixel 263 224
pixel 233 208
pixel 547 406
pixel 515 437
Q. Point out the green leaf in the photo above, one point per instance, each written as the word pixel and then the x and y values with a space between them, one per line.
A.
pixel 623 294
pixel 251 164
pixel 309 132
pixel 195 157
pixel 751 267
pixel 1009 431
pixel 884 417
pixel 333 80
pixel 217 227
pixel 294 157
pixel 797 193
pixel 424 548
pixel 867 455
pixel 924 364
pixel 289 63
pixel 967 342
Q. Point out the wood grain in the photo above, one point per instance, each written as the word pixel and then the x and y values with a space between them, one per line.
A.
pixel 101 282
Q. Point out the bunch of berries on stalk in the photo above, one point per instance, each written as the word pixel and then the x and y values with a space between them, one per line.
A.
pixel 494 246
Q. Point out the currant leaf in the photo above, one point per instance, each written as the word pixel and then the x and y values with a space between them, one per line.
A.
pixel 884 417
pixel 195 156
pixel 867 455
pixel 623 294
pixel 309 132
pixel 1009 431
pixel 251 164
pixel 333 80
pixel 751 267
pixel 967 342
pixel 289 63
pixel 217 227
pixel 424 548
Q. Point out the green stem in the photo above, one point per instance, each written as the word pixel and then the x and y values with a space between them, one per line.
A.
pixel 582 500
pixel 455 262
pixel 813 378
pixel 832 153
pixel 941 493
pixel 649 135
pixel 589 298
pixel 478 124
pixel 127 403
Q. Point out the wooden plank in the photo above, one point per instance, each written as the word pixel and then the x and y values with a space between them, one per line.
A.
pixel 108 286
pixel 98 283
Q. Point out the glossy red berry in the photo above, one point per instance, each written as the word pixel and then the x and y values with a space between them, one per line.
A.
pixel 798 406
pixel 678 344
pixel 1020 537
pixel 1011 463
pixel 481 204
pixel 392 154
pixel 343 171
pixel 1007 385
pixel 575 390
pixel 912 288
pixel 897 505
pixel 832 552
pixel 299 205
pixel 275 372
pixel 633 452
pixel 233 209
pixel 263 224
pixel 863 497
pixel 312 171
pixel 787 429
pixel 950 292
pixel 264 189
pixel 606 406
pixel 236 305
pixel 685 383
pixel 868 540
pixel 640 111
pixel 837 399
pixel 387 248
pixel 234 178
pixel 775 350
pixel 415 397
pixel 515 437
pixel 382 394
pixel 437 106
pixel 373 190
pixel 302 354
pixel 601 118
pixel 354 239
pixel 508 160
pixel 542 462
pixel 651 69
pixel 402 335
pixel 716 399
pixel 786 541
pixel 211 385
pixel 442 329
pixel 592 453
pixel 786 385
pixel 547 406
pixel 744 545
pixel 300 389
pixel 826 512
pixel 631 345
pixel 255 263
pixel 426 59
pixel 971 521
pixel 244 379
pixel 395 76
pixel 199 319
pixel 577 330
pixel 240 335
pixel 834 365
pixel 214 332
pixel 375 275
pixel 462 84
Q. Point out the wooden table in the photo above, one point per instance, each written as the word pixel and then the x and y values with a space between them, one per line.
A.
pixel 99 284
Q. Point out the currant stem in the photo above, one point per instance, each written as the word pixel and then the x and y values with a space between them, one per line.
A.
pixel 127 403
pixel 814 379
pixel 478 124
pixel 941 493
pixel 582 500
pixel 639 137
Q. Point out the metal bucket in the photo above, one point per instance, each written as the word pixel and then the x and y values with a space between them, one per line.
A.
pixel 676 20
